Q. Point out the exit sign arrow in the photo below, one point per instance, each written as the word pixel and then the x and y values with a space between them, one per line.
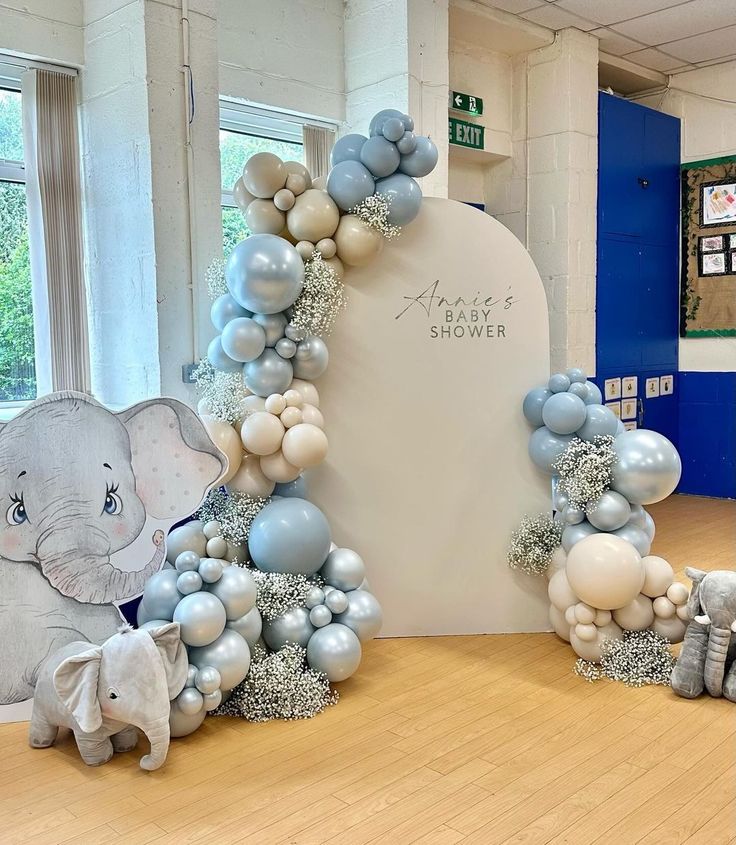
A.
pixel 467 103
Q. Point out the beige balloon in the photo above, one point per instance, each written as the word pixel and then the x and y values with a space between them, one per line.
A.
pixel 327 248
pixel 305 445
pixel 262 433
pixel 284 199
pixel 275 404
pixel 677 593
pixel 224 436
pixel 263 218
pixel 663 607
pixel 291 417
pixel 560 592
pixel 243 197
pixel 278 469
pixel 204 408
pixel 357 242
pixel 313 217
pixel 296 184
pixel 250 479
pixel 309 392
pixel 658 576
pixel 557 618
pixel 336 265
pixel 637 615
pixel 296 168
pixel 312 415
pixel 605 571
pixel 264 174
pixel 305 250
pixel 320 183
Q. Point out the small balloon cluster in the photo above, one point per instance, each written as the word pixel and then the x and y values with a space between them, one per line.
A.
pixel 602 578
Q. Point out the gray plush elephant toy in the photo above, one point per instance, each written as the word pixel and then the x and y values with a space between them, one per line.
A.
pixel 707 658
pixel 78 485
pixel 103 693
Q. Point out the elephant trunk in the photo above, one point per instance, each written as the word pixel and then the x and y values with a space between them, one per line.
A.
pixel 715 661
pixel 158 735
pixel 92 578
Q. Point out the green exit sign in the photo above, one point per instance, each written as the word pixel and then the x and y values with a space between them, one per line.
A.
pixel 466 102
pixel 466 134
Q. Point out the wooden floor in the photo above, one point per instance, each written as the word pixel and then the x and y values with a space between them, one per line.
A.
pixel 454 739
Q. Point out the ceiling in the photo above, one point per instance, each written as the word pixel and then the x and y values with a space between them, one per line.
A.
pixel 664 35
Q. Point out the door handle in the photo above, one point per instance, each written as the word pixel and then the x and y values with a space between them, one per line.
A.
pixel 643 182
pixel 640 415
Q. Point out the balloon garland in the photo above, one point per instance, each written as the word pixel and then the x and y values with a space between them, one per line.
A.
pixel 603 581
pixel 271 610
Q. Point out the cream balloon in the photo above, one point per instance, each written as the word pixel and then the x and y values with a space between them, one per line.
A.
pixel 663 607
pixel 224 436
pixel 305 445
pixel 242 196
pixel 250 479
pixel 327 248
pixel 557 619
pixel 296 168
pixel 602 617
pixel 284 199
pixel 559 555
pixel 673 628
pixel 592 650
pixel 637 615
pixel 357 242
pixel 320 183
pixel 605 571
pixel 204 408
pixel 264 174
pixel 262 433
pixel 291 417
pixel 586 632
pixel 560 592
pixel 336 265
pixel 296 184
pixel 305 250
pixel 584 614
pixel 313 216
pixel 658 576
pixel 313 416
pixel 683 613
pixel 263 218
pixel 252 404
pixel 309 392
pixel 677 593
pixel 570 617
pixel 278 469
pixel 293 398
pixel 275 404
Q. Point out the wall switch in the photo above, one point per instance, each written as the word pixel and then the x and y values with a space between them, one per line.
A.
pixel 652 388
pixel 629 386
pixel 666 385
pixel 187 373
pixel 628 409
pixel 612 388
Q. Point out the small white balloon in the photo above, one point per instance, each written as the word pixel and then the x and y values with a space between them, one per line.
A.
pixel 291 417
pixel 327 247
pixel 602 617
pixel 275 404
pixel 212 529
pixel 217 547
pixel 293 399
pixel 683 613
pixel 305 250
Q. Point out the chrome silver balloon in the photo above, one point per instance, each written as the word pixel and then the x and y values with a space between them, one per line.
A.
pixel 648 467
pixel 291 627
pixel 363 615
pixel 334 650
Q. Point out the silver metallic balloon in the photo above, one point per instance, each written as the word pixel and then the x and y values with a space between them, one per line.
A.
pixel 187 561
pixel 189 582
pixel 314 597
pixel 190 701
pixel 249 626
pixel 610 512
pixel 191 675
pixel 212 700
pixel 573 516
pixel 207 679
pixel 320 616
pixel 269 373
pixel 286 347
pixel 545 447
pixel 343 569
pixel 182 724
pixel 637 537
pixel 224 309
pixel 336 601
pixel 186 538
pixel 236 589
pixel 229 654
pixel 210 569
pixel 363 615
pixel 273 325
pixel 291 627
pixel 649 527
pixel 202 618
pixel 311 358
pixel 648 467
pixel 243 339
pixel 219 359
pixel 264 274
pixel 334 650
pixel 560 500
pixel 575 533
pixel 160 595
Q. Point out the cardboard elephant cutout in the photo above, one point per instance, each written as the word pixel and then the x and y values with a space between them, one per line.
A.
pixel 86 499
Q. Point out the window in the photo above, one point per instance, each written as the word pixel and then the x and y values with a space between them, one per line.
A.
pixel 17 355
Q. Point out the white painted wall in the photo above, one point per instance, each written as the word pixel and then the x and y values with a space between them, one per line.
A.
pixel 43 29
pixel 708 131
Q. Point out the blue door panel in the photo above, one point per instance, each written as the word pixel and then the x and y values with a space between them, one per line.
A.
pixel 620 152
pixel 617 329
pixel 658 309
pixel 660 198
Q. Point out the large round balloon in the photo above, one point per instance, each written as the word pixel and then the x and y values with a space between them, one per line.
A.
pixel 186 538
pixel 363 615
pixel 289 535
pixel 262 217
pixel 291 627
pixel 347 148
pixel 349 183
pixel 219 359
pixel 422 161
pixel 545 447
pixel 201 617
pixel 264 274
pixel 269 373
pixel 236 590
pixel 264 174
pixel 605 571
pixel 648 467
pixel 563 413
pixel 313 216
pixel 334 650
pixel 229 654
pixel 404 195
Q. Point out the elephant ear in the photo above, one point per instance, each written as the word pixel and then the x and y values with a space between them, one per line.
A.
pixel 174 461
pixel 693 603
pixel 75 682
pixel 173 654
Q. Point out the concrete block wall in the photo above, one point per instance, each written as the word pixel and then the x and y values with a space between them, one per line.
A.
pixel 43 29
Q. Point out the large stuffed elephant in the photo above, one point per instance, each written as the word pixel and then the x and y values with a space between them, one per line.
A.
pixel 103 693
pixel 709 648
pixel 78 484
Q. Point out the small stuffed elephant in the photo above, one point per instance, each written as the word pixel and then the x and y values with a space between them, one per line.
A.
pixel 103 693
pixel 709 648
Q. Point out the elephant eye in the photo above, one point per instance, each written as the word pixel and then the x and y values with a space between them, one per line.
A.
pixel 112 693
pixel 16 514
pixel 113 503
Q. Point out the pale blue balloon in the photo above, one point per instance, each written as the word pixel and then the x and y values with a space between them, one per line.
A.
pixel 264 274
pixel 393 129
pixel 160 595
pixel 286 347
pixel 405 197
pixel 534 403
pixel 580 390
pixel 380 156
pixel 273 325
pixel 407 143
pixel 189 582
pixel 576 375
pixel 637 537
pixel 595 397
pixel 311 359
pixel 599 421
pixel 363 615
pixel 545 447
pixel 563 413
pixel 224 309
pixel 349 183
pixel 296 489
pixel 243 339
pixel 219 359
pixel 422 160
pixel 347 148
pixel 378 121
pixel 620 428
pixel 269 373
pixel 289 535
pixel 558 383
pixel 575 533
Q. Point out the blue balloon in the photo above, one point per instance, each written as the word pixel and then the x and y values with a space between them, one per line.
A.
pixel 576 375
pixel 375 127
pixel 595 397
pixel 533 404
pixel 422 160
pixel 224 309
pixel 393 129
pixel 558 383
pixel 636 536
pixel 407 143
pixel 219 359
pixel 578 389
pixel 347 148
pixel 545 447
pixel 296 489
pixel 269 373
pixel 289 535
pixel 380 156
pixel 405 197
pixel 349 183
pixel 563 413
pixel 265 274
pixel 599 421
